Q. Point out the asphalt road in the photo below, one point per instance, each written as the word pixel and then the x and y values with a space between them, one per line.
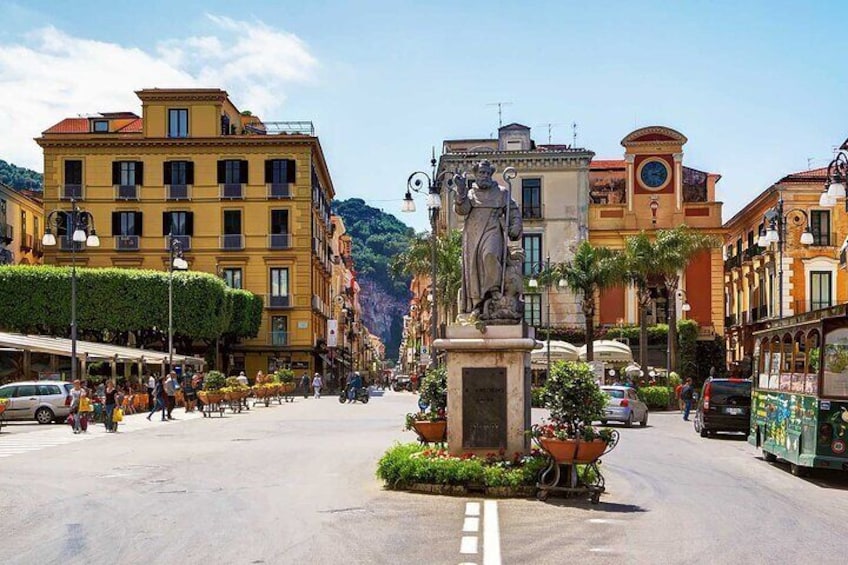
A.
pixel 295 484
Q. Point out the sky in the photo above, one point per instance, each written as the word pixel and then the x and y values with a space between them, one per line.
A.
pixel 759 88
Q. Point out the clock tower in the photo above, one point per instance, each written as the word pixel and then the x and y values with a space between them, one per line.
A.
pixel 654 172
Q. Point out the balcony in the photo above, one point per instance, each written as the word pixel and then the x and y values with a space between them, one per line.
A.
pixel 279 301
pixel 280 241
pixel 232 191
pixel 70 191
pixel 734 262
pixel 38 248
pixel 177 192
pixel 233 241
pixel 185 241
pixel 27 242
pixel 279 338
pixel 752 252
pixel 66 243
pixel 729 321
pixel 532 212
pixel 126 242
pixel 7 233
pixel 126 192
pixel 280 190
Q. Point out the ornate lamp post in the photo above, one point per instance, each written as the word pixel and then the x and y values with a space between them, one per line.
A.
pixel 175 261
pixel 776 233
pixel 419 181
pixel 80 224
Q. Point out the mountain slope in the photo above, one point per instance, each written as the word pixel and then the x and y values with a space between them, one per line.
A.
pixel 19 178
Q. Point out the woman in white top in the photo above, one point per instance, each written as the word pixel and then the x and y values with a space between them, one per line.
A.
pixel 317 383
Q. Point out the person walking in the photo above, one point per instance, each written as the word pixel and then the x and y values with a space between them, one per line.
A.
pixel 76 395
pixel 678 390
pixel 110 402
pixel 189 394
pixel 170 394
pixel 159 399
pixel 304 384
pixel 242 379
pixel 197 385
pixel 151 386
pixel 317 383
pixel 687 394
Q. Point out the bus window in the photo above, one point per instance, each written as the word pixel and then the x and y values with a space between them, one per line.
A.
pixel 835 378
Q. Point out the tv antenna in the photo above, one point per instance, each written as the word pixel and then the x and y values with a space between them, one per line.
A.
pixel 500 106
pixel 573 134
pixel 550 127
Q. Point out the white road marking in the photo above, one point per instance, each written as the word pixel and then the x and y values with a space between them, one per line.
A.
pixel 601 550
pixel 471 525
pixel 491 534
pixel 469 545
pixel 603 521
pixel 472 508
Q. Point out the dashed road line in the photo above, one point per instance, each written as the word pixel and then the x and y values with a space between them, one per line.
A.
pixel 468 545
pixel 471 525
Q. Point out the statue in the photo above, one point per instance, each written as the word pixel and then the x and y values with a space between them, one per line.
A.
pixel 490 270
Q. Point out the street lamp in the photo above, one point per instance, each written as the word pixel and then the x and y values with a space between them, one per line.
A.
pixel 686 306
pixel 776 233
pixel 81 226
pixel 834 185
pixel 419 181
pixel 534 283
pixel 175 261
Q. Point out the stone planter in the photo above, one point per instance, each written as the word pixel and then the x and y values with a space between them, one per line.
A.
pixel 431 432
pixel 570 451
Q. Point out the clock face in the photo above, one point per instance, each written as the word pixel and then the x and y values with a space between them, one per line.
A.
pixel 654 174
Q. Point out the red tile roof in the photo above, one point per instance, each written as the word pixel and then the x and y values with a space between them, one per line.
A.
pixel 132 127
pixel 818 175
pixel 607 164
pixel 70 125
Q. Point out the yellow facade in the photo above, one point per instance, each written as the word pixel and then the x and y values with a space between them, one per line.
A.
pixel 231 222
pixel 21 226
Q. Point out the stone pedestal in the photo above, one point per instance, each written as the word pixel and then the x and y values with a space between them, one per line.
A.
pixel 488 388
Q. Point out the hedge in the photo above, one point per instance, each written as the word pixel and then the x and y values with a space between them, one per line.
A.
pixel 38 300
pixel 656 397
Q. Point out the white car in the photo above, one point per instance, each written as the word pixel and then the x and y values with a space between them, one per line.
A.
pixel 42 401
pixel 624 406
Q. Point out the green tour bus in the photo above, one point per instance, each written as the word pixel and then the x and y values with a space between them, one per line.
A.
pixel 799 402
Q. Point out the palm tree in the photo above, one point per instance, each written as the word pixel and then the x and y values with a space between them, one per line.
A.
pixel 592 270
pixel 638 254
pixel 673 250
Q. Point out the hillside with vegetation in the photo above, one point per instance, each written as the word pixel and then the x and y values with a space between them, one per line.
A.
pixel 20 178
pixel 378 237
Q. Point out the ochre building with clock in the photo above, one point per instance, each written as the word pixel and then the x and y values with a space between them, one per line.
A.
pixel 651 189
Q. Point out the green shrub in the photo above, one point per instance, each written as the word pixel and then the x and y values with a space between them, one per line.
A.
pixel 434 389
pixel 214 380
pixel 656 397
pixel 573 397
pixel 674 380
pixel 537 397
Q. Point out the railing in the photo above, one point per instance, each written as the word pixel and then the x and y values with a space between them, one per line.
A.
pixel 38 247
pixel 280 190
pixel 71 191
pixel 752 252
pixel 732 263
pixel 126 192
pixel 281 301
pixel 279 338
pixel 185 241
pixel 177 192
pixel 232 241
pixel 279 241
pixel 532 212
pixel 67 243
pixel 126 242
pixel 26 242
pixel 763 312
pixel 232 190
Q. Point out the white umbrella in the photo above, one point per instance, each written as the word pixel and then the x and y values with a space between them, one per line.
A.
pixel 560 351
pixel 609 351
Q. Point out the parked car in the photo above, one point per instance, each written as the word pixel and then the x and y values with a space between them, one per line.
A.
pixel 724 405
pixel 402 382
pixel 42 401
pixel 624 406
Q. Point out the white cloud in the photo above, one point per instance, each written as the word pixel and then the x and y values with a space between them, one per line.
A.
pixel 51 75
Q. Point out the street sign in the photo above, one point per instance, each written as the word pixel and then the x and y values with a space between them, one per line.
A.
pixel 332 333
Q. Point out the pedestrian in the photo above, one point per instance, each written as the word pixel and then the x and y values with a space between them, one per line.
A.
pixel 317 383
pixel 170 393
pixel 76 394
pixel 197 385
pixel 85 409
pixel 242 379
pixel 110 401
pixel 151 386
pixel 678 390
pixel 159 399
pixel 189 394
pixel 688 394
pixel 304 384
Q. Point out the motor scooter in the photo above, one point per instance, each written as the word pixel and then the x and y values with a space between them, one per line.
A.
pixel 361 395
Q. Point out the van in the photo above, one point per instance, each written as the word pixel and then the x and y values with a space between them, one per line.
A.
pixel 724 405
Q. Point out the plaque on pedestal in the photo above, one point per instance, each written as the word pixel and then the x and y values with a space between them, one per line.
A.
pixel 484 408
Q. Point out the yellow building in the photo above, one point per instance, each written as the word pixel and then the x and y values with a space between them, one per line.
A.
pixel 21 224
pixel 811 277
pixel 248 200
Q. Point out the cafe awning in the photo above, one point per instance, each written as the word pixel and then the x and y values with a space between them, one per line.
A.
pixel 560 351
pixel 609 351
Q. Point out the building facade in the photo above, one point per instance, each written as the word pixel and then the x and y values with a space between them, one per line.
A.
pixel 21 227
pixel 810 274
pixel 552 190
pixel 248 200
pixel 651 189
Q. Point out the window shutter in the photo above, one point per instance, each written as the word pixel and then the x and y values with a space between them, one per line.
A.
pixel 189 223
pixel 139 173
pixel 269 168
pixel 222 172
pixel 116 172
pixel 166 173
pixel 243 172
pixel 116 223
pixel 139 231
pixel 290 170
pixel 166 223
pixel 189 172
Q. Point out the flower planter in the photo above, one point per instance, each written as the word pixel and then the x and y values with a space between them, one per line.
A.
pixel 209 397
pixel 287 388
pixel 571 451
pixel 431 432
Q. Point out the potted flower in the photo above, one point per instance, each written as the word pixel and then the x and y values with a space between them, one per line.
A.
pixel 212 385
pixel 286 379
pixel 431 422
pixel 575 400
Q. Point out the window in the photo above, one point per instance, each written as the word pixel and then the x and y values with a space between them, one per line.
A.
pixel 101 126
pixel 48 390
pixel 279 221
pixel 532 244
pixel 177 223
pixel 750 239
pixel 279 171
pixel 279 330
pixel 24 391
pixel 232 171
pixel 531 198
pixel 127 173
pixel 179 173
pixel 739 247
pixel 126 223
pixel 73 172
pixel 533 309
pixel 178 122
pixel 820 226
pixel 36 228
pixel 279 287
pixel 232 277
pixel 819 289
pixel 232 222
pixel 23 226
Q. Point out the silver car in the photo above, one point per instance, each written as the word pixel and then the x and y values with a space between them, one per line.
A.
pixel 42 401
pixel 623 405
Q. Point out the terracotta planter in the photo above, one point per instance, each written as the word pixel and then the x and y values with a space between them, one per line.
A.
pixel 287 388
pixel 431 431
pixel 209 397
pixel 572 450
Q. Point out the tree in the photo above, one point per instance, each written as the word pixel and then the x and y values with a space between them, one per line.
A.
pixel 639 267
pixel 592 270
pixel 674 249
